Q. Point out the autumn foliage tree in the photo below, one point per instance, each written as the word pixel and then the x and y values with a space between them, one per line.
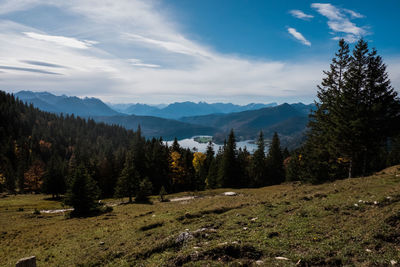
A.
pixel 33 178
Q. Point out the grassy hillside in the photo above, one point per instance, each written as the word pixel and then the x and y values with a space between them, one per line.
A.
pixel 348 222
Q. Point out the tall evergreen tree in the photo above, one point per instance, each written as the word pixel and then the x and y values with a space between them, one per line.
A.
pixel 128 181
pixel 83 193
pixel 258 166
pixel 275 171
pixel 227 174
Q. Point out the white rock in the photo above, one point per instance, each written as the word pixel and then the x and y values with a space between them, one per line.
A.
pixel 282 258
pixel 360 201
pixel 230 194
pixel 368 250
pixel 259 262
pixel 245 228
pixel 355 205
pixel 376 202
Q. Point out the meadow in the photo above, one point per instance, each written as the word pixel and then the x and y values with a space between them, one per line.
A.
pixel 352 222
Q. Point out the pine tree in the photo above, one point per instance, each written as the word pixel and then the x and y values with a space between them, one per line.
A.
pixel 274 160
pixel 354 116
pixel 82 194
pixel 128 181
pixel 258 166
pixel 227 173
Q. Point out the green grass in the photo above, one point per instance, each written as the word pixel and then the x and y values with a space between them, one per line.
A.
pixel 314 224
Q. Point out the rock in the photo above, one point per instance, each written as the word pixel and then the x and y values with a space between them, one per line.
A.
pixel 254 219
pixel 281 258
pixel 230 194
pixel 368 250
pixel 259 262
pixel 376 202
pixel 101 243
pixel 245 228
pixel 184 236
pixel 27 262
pixel 356 205
pixel 393 262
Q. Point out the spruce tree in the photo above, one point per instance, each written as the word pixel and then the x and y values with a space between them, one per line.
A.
pixel 276 174
pixel 83 193
pixel 227 174
pixel 258 166
pixel 128 181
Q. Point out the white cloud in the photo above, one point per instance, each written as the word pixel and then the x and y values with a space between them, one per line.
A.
pixel 61 40
pixel 139 63
pixel 300 14
pixel 299 36
pixel 339 22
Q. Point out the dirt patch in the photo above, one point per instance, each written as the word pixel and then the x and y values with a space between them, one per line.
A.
pixel 151 226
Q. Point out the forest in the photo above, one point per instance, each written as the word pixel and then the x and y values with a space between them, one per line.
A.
pixel 353 132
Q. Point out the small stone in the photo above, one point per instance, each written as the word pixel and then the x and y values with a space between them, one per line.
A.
pixel 101 243
pixel 245 228
pixel 360 201
pixel 259 262
pixel 368 250
pixel 355 205
pixel 230 194
pixel 254 219
pixel 282 258
pixel 29 262
pixel 376 202
pixel 153 215
pixel 389 198
pixel 393 262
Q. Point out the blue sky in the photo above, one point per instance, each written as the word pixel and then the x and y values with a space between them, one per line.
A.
pixel 153 51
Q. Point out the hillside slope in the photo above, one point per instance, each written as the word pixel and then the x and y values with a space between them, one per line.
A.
pixel 158 127
pixel 288 120
pixel 352 222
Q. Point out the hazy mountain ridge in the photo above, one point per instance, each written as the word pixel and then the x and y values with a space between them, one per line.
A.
pixel 84 107
pixel 185 109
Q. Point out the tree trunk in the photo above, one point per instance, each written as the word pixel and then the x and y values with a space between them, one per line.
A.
pixel 350 167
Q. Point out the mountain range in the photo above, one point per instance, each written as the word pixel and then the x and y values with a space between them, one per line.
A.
pixel 176 120
pixel 178 110
pixel 84 107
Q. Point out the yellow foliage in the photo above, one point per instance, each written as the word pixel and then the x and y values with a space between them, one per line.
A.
pixel 198 159
pixel 2 179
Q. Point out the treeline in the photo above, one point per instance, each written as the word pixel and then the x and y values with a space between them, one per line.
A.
pixel 44 152
pixel 355 129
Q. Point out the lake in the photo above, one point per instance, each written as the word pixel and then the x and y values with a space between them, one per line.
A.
pixel 202 147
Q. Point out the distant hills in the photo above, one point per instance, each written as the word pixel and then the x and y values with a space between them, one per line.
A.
pixel 86 107
pixel 186 119
pixel 185 109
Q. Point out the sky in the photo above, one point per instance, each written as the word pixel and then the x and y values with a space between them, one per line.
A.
pixel 154 51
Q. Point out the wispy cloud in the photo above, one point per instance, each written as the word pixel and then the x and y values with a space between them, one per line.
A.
pixel 339 22
pixel 139 63
pixel 28 70
pixel 61 40
pixel 299 36
pixel 300 14
pixel 41 63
